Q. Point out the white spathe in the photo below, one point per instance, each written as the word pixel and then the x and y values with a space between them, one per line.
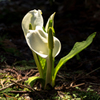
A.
pixel 50 18
pixel 34 17
pixel 36 38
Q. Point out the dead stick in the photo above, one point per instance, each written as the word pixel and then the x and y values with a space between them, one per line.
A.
pixel 9 96
pixel 11 85
pixel 93 71
pixel 21 92
pixel 7 87
pixel 75 85
pixel 11 70
pixel 78 85
pixel 33 90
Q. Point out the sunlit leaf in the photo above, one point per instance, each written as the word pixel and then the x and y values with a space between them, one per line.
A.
pixel 33 79
pixel 78 47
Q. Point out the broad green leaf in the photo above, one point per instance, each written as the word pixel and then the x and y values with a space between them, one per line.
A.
pixel 78 47
pixel 33 79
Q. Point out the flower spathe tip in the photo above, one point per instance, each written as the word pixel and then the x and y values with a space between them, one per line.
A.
pixel 50 18
pixel 34 17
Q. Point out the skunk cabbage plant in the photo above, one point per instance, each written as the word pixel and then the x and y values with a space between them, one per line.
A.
pixel 45 46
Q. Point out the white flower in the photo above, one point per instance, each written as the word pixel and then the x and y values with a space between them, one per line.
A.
pixel 36 38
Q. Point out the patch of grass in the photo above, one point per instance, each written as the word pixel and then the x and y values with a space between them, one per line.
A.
pixel 5 94
pixel 89 94
pixel 78 94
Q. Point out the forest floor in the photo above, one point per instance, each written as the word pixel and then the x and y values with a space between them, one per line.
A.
pixel 78 79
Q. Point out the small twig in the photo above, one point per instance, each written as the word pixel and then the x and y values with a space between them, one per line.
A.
pixel 21 92
pixel 33 90
pixel 22 85
pixel 93 71
pixel 9 96
pixel 7 86
pixel 71 84
pixel 75 85
pixel 61 88
pixel 78 85
pixel 11 70
pixel 11 84
pixel 60 76
pixel 31 72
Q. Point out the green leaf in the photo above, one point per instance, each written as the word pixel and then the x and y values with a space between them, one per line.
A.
pixel 51 26
pixel 78 47
pixel 53 31
pixel 44 29
pixel 6 90
pixel 33 79
pixel 42 62
pixel 43 65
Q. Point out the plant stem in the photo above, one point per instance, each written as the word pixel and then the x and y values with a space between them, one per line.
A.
pixel 49 69
pixel 38 64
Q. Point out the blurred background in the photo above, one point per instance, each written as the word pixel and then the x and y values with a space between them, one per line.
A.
pixel 74 21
